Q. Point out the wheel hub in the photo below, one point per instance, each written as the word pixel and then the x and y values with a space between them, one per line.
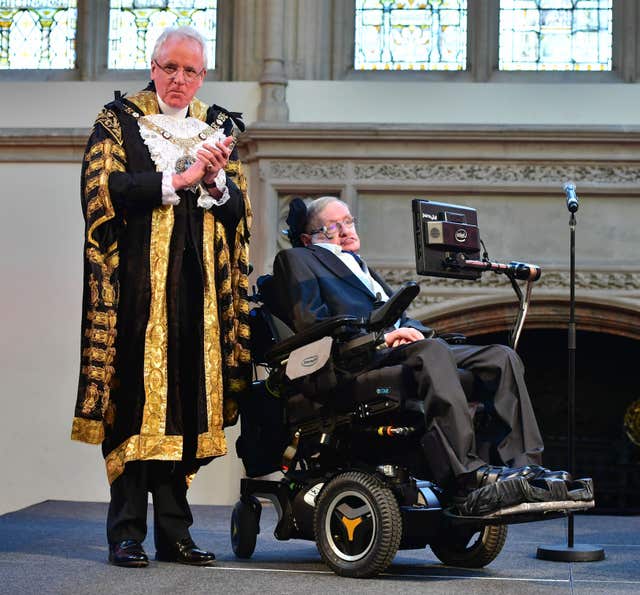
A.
pixel 350 526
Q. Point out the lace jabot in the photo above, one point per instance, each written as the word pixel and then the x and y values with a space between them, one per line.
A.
pixel 173 143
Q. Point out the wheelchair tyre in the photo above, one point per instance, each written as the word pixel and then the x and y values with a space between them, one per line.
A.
pixel 245 526
pixel 357 525
pixel 471 547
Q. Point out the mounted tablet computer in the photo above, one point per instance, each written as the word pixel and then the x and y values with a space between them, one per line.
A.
pixel 443 233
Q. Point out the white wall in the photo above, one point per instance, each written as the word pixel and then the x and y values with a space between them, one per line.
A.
pixel 77 103
pixel 464 103
pixel 27 104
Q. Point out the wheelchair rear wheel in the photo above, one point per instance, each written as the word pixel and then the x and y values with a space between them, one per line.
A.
pixel 245 526
pixel 471 547
pixel 357 525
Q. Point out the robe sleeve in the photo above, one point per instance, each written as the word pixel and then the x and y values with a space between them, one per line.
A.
pixel 139 191
pixel 104 156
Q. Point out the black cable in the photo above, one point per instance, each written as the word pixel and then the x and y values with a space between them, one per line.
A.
pixel 485 253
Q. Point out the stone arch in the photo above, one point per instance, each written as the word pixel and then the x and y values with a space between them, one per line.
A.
pixel 480 316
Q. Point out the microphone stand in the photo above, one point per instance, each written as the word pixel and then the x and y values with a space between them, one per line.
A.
pixel 571 552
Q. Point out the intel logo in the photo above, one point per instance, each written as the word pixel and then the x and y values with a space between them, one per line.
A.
pixel 461 235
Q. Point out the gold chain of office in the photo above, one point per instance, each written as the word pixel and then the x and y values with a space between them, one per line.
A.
pixel 184 143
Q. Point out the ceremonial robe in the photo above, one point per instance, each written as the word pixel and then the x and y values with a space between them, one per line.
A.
pixel 164 321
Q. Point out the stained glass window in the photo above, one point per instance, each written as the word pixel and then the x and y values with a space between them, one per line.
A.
pixel 38 35
pixel 135 26
pixel 411 35
pixel 555 34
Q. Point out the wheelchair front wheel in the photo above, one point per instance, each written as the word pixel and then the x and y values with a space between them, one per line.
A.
pixel 357 525
pixel 245 526
pixel 471 547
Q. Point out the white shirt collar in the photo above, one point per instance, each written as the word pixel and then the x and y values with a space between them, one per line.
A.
pixel 364 276
pixel 335 248
pixel 175 112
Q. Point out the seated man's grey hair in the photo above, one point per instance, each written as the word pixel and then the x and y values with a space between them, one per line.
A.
pixel 315 207
pixel 184 32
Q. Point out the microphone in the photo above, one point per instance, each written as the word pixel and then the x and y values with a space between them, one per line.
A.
pixel 572 198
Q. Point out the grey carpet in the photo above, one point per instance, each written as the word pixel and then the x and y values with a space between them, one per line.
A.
pixel 59 547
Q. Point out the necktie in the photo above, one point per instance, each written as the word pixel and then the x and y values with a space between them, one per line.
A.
pixel 359 260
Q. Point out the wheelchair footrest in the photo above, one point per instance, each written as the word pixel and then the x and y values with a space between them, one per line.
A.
pixel 513 492
pixel 544 507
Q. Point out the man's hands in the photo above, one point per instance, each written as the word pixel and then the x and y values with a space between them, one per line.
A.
pixel 402 336
pixel 215 159
pixel 211 159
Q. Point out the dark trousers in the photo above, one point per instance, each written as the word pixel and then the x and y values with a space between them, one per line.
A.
pixel 127 516
pixel 166 480
pixel 450 441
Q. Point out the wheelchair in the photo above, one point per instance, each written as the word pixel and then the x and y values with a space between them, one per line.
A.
pixel 347 440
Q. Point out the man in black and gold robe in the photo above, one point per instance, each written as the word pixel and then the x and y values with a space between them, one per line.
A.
pixel 164 328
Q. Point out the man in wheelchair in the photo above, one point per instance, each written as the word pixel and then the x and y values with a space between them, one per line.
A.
pixel 388 436
pixel 324 276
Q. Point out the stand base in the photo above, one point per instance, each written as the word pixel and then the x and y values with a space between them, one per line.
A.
pixel 578 553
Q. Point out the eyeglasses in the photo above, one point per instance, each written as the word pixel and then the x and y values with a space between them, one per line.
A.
pixel 334 226
pixel 171 70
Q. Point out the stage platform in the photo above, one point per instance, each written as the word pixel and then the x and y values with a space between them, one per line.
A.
pixel 59 547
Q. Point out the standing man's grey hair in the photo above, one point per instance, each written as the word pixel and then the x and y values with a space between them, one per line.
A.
pixel 315 207
pixel 183 33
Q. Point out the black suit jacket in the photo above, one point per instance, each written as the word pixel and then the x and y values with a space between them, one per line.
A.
pixel 311 284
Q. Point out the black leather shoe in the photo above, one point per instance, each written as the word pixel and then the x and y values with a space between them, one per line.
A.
pixel 185 551
pixel 486 475
pixel 129 553
pixel 544 473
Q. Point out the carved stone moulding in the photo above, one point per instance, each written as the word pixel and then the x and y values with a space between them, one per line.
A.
pixel 500 172
pixel 482 176
pixel 307 170
pixel 614 280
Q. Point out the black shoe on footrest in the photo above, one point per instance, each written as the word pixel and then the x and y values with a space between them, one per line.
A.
pixel 544 473
pixel 577 490
pixel 185 551
pixel 486 475
pixel 518 490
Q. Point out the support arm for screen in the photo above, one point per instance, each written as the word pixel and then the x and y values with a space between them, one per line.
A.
pixel 514 270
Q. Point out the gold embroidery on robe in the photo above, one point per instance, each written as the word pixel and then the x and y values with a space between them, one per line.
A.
pixel 212 442
pixel 108 157
pixel 156 336
pixel 111 124
pixel 142 448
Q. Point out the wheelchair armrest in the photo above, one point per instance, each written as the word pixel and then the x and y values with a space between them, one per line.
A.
pixel 330 327
pixel 453 338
